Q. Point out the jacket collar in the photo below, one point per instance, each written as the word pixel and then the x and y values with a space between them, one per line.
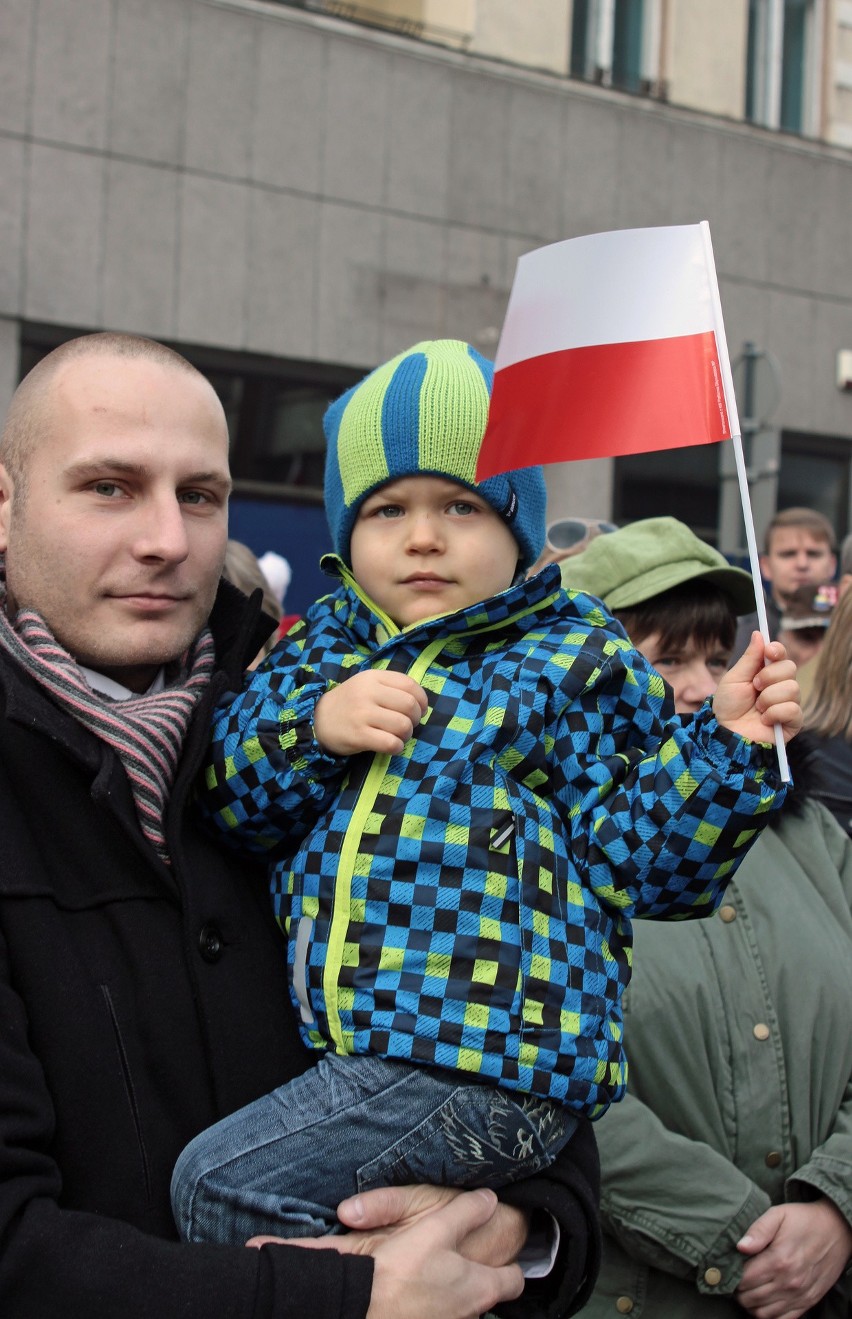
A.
pixel 360 615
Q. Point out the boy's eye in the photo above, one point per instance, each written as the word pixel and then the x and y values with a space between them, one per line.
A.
pixel 388 511
pixel 461 507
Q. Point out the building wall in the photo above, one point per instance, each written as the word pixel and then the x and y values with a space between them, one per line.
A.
pixel 256 177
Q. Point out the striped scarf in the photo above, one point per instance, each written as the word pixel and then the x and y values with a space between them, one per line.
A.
pixel 146 732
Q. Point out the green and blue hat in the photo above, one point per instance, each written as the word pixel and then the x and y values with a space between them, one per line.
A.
pixel 423 414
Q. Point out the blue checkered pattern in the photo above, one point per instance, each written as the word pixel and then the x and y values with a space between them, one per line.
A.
pixel 467 904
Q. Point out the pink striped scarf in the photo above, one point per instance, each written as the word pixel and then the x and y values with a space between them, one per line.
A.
pixel 146 732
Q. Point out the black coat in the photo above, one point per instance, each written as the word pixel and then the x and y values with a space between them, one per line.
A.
pixel 138 1004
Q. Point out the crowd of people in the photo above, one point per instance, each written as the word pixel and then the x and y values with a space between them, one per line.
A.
pixel 404 1082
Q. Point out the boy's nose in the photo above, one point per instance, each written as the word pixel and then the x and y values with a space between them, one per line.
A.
pixel 423 532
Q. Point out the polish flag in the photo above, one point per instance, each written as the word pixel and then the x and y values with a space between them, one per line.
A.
pixel 612 344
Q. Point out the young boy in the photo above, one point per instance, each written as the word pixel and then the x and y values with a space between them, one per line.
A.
pixel 468 784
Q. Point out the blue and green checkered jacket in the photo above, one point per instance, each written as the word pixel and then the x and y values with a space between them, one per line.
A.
pixel 467 903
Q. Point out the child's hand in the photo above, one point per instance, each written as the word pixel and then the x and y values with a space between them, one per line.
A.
pixel 377 710
pixel 751 697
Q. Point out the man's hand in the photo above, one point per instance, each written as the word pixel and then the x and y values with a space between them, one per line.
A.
pixel 422 1266
pixel 760 690
pixel 377 710
pixel 388 1209
pixel 798 1251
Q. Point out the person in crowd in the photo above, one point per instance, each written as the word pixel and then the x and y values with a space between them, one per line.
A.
pixel 802 629
pixel 138 962
pixel 727 1169
pixel 800 550
pixel 457 772
pixel 828 717
pixel 243 569
pixel 845 578
pixel 567 536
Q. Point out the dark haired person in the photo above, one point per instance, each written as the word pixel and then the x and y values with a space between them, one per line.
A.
pixel 727 1169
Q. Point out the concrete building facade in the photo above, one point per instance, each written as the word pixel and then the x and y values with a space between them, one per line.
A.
pixel 290 197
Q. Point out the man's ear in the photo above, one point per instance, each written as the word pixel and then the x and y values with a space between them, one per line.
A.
pixel 6 491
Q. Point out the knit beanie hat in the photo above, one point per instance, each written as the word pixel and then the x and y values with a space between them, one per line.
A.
pixel 423 414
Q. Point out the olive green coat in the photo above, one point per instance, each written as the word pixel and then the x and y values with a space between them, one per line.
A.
pixel 738 1032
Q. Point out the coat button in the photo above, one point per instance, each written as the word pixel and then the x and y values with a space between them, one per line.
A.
pixel 624 1305
pixel 210 943
pixel 727 914
pixel 773 1159
pixel 713 1277
pixel 761 1031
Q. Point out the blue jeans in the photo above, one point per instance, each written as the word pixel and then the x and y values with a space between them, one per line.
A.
pixel 283 1164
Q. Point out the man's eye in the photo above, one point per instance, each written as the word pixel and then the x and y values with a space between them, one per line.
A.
pixel 108 488
pixel 194 497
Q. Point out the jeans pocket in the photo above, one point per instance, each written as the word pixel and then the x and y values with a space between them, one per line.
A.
pixel 478 1136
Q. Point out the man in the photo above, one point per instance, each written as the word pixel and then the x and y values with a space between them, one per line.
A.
pixel 137 962
pixel 799 551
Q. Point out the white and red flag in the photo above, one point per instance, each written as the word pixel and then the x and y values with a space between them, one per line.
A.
pixel 612 344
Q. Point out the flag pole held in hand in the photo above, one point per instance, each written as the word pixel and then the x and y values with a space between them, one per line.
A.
pixel 614 344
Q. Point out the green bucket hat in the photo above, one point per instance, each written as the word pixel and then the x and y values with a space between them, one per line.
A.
pixel 637 562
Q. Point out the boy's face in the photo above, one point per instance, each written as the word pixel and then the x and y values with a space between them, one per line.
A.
pixel 692 669
pixel 425 545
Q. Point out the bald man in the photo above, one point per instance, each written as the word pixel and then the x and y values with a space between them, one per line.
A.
pixel 139 968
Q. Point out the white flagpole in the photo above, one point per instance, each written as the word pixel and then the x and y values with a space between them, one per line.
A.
pixel 742 478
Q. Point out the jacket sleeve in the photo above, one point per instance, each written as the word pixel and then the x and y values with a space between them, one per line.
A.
pixel 569 1191
pixel 672 1202
pixel 660 810
pixel 266 780
pixel 58 1260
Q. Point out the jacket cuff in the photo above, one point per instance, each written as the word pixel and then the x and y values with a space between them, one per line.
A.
pixel 297 739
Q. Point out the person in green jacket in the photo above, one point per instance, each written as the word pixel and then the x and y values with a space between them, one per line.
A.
pixel 727 1168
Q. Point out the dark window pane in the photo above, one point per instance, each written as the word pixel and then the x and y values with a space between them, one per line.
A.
pixel 793 64
pixel 580 61
pixel 627 45
pixel 680 483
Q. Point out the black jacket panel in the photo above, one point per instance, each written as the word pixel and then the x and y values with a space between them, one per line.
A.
pixel 138 1003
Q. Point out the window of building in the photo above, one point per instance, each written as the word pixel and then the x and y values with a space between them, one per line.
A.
pixel 680 483
pixel 616 42
pixel 783 59
pixel 274 409
pixel 814 473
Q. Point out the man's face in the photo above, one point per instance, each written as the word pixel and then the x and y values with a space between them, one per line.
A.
pixel 118 540
pixel 796 558
pixel 424 545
